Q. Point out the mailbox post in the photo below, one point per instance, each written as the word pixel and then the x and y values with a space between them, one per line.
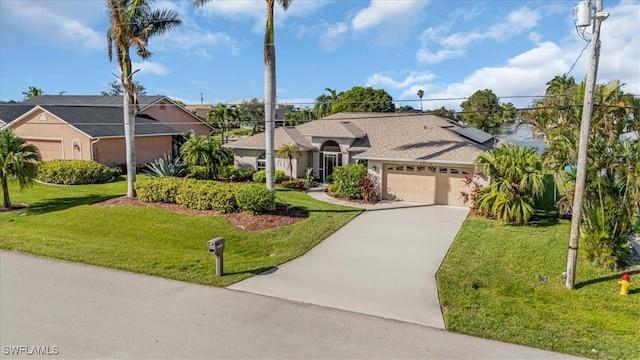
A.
pixel 216 247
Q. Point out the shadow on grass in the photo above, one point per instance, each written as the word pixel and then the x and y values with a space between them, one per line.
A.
pixel 607 278
pixel 58 204
pixel 265 270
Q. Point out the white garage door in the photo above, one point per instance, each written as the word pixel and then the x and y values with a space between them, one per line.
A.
pixel 49 149
pixel 413 183
pixel 450 183
pixel 425 184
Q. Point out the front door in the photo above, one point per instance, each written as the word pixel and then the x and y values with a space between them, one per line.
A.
pixel 329 160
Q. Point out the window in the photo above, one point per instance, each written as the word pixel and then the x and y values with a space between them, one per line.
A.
pixel 399 168
pixel 42 117
pixel 454 171
pixel 262 161
pixel 410 168
pixel 163 106
pixel 442 170
pixel 421 168
pixel 432 169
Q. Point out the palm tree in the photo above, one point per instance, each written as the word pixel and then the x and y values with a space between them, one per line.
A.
pixel 517 179
pixel 223 115
pixel 200 151
pixel 32 92
pixel 324 103
pixel 133 22
pixel 17 160
pixel 420 95
pixel 289 151
pixel 269 85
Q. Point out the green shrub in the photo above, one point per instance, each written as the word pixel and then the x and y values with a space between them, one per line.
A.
pixel 348 181
pixel 207 195
pixel 166 166
pixel 246 174
pixel 329 179
pixel 199 172
pixel 261 176
pixel 74 172
pixel 255 199
pixel 293 184
pixel 161 189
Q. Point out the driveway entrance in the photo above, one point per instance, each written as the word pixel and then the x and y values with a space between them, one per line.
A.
pixel 382 263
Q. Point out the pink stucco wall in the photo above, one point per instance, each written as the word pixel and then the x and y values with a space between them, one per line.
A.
pixel 148 148
pixel 42 127
pixel 177 118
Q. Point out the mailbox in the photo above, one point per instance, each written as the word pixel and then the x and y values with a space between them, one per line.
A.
pixel 216 246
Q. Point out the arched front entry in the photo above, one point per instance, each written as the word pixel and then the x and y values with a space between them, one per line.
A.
pixel 330 157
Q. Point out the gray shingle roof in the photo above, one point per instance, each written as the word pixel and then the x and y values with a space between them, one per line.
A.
pixel 388 136
pixel 87 100
pixel 106 121
pixel 10 112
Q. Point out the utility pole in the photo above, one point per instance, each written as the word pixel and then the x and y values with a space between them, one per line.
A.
pixel 587 110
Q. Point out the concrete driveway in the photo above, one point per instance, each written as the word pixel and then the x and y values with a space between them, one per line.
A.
pixel 382 263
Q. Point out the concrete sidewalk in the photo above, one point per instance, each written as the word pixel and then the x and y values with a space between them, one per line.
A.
pixel 319 193
pixel 382 263
pixel 88 312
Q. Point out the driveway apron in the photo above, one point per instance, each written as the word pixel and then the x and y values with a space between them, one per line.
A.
pixel 382 263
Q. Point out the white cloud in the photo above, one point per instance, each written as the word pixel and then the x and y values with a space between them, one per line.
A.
pixel 54 21
pixel 620 50
pixel 148 67
pixel 453 45
pixel 199 42
pixel 383 11
pixel 380 80
pixel 333 35
pixel 395 17
pixel 426 56
pixel 255 11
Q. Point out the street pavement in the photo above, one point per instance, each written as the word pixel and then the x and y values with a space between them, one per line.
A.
pixel 86 312
pixel 382 263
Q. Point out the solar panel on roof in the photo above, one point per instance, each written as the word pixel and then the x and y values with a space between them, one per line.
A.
pixel 474 134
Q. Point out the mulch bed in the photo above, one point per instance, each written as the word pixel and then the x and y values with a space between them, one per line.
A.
pixel 242 221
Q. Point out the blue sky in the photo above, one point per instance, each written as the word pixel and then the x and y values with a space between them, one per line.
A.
pixel 450 49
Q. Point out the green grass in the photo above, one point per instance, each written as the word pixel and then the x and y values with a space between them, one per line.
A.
pixel 489 286
pixel 60 222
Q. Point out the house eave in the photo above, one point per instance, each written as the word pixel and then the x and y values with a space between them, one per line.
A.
pixel 430 161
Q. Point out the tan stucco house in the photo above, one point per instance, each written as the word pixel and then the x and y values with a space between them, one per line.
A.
pixel 92 127
pixel 412 157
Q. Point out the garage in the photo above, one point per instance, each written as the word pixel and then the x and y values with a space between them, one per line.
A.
pixel 49 149
pixel 424 183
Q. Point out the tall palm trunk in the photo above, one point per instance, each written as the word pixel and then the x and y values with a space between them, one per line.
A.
pixel 270 95
pixel 130 110
pixel 5 193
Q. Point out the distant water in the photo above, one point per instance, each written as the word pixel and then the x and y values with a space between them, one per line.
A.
pixel 522 135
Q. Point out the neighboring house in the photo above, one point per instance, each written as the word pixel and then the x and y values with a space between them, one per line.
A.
pixel 92 127
pixel 201 111
pixel 411 157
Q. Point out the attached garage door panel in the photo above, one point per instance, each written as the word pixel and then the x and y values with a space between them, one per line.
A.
pixel 408 183
pixel 450 184
pixel 49 149
pixel 425 184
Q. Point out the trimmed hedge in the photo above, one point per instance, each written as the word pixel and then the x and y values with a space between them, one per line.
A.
pixel 294 184
pixel 162 189
pixel 198 172
pixel 255 199
pixel 207 195
pixel 74 172
pixel 261 176
pixel 348 181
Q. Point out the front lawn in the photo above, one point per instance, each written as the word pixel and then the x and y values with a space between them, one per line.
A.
pixel 60 222
pixel 505 283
